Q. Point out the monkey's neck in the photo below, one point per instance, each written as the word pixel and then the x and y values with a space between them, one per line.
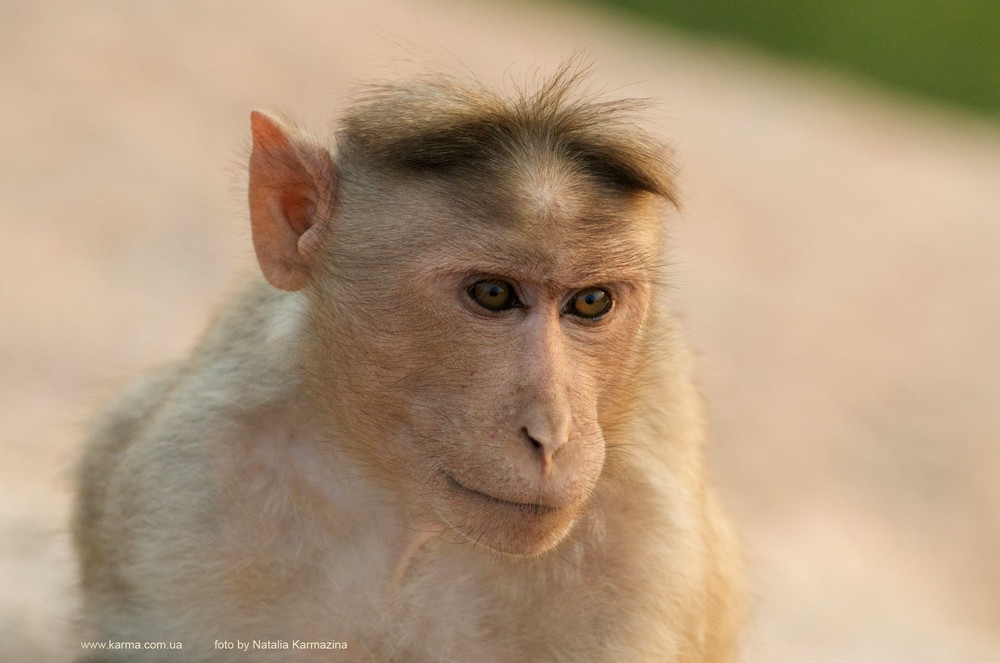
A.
pixel 361 500
pixel 410 543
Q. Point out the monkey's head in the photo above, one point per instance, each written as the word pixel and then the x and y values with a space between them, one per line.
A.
pixel 480 273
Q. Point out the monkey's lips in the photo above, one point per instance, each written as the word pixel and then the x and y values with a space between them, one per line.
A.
pixel 507 524
pixel 528 508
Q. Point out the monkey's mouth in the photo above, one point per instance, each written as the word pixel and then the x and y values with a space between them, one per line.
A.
pixel 527 508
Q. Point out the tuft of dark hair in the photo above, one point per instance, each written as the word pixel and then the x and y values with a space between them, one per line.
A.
pixel 437 124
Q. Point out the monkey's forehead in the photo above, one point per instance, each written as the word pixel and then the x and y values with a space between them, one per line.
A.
pixel 554 230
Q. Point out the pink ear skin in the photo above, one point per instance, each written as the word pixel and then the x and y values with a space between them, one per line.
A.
pixel 292 184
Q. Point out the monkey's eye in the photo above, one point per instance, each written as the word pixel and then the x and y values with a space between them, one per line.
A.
pixel 590 303
pixel 493 295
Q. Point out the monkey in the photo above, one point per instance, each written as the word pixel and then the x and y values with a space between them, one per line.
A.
pixel 451 418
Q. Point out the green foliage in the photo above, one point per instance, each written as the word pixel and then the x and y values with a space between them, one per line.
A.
pixel 948 49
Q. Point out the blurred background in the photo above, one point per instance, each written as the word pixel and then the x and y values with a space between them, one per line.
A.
pixel 837 259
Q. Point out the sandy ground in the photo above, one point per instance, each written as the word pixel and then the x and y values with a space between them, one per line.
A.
pixel 838 260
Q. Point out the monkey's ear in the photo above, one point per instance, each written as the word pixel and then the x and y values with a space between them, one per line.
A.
pixel 292 184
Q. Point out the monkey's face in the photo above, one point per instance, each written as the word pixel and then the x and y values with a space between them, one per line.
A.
pixel 523 381
pixel 491 360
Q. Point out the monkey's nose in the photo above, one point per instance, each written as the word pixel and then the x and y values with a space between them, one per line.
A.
pixel 544 448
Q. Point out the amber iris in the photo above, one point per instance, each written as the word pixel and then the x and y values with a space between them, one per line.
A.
pixel 493 295
pixel 590 303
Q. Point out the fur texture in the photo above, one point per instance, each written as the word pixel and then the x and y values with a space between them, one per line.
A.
pixel 370 456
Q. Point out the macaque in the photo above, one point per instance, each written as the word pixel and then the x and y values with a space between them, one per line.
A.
pixel 454 421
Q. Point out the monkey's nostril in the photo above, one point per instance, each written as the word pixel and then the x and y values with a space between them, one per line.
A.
pixel 534 443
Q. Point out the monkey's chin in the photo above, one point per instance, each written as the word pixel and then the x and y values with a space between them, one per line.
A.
pixel 520 529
